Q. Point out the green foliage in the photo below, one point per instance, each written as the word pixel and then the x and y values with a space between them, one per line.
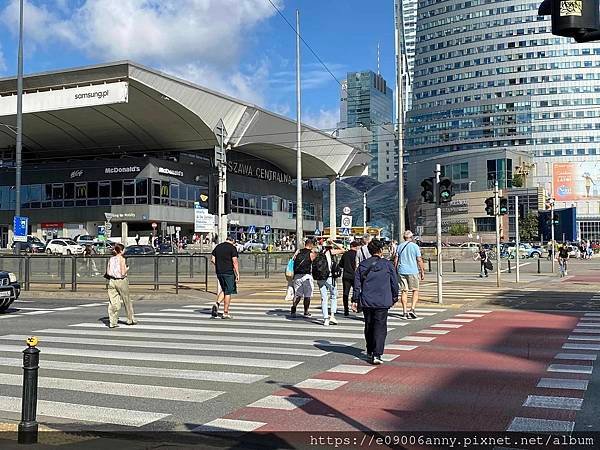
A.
pixel 458 229
pixel 528 227
pixel 517 180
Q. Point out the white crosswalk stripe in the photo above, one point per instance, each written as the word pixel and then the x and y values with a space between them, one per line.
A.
pixel 185 357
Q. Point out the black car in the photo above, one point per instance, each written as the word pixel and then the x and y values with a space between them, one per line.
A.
pixel 33 245
pixel 9 289
pixel 139 250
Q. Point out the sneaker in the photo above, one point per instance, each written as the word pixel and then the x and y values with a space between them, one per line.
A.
pixel 370 355
pixel 346 313
pixel 403 316
pixel 332 320
pixel 326 323
pixel 377 360
pixel 113 326
pixel 411 314
pixel 293 311
pixel 132 323
pixel 214 312
pixel 226 316
pixel 307 314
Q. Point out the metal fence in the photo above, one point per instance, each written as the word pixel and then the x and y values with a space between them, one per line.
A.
pixel 180 270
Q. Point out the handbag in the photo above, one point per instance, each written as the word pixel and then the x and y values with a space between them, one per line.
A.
pixel 488 265
pixel 289 270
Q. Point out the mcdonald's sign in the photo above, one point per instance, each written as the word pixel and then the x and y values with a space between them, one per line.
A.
pixel 81 191
pixel 164 190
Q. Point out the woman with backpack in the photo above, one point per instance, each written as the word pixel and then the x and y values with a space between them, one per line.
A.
pixel 303 280
pixel 326 271
pixel 376 291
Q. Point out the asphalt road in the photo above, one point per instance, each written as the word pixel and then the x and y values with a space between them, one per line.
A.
pixel 179 370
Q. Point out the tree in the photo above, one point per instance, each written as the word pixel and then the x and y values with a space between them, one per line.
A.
pixel 528 227
pixel 458 229
pixel 517 180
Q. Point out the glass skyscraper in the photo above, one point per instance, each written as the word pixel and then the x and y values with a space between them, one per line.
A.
pixel 367 101
pixel 489 74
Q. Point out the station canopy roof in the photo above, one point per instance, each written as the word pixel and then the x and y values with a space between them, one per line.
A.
pixel 125 107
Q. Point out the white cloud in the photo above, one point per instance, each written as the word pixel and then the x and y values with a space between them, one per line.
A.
pixel 324 119
pixel 250 85
pixel 2 62
pixel 156 31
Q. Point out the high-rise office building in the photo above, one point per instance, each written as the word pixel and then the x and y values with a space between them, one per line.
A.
pixel 489 76
pixel 367 101
pixel 409 26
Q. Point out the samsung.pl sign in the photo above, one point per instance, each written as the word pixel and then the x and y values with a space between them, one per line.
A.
pixel 76 97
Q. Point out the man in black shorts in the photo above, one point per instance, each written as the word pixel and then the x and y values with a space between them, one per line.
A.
pixel 225 259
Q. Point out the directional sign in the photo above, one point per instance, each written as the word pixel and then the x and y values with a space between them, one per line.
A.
pixel 317 232
pixel 251 229
pixel 108 216
pixel 267 229
pixel 346 221
pixel 20 225
pixel 203 221
pixel 345 231
pixel 346 210
pixel 101 230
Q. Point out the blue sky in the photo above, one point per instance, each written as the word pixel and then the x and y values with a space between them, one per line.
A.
pixel 241 47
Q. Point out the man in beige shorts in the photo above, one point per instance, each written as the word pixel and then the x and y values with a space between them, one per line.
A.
pixel 411 271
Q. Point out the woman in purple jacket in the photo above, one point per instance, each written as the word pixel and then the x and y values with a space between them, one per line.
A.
pixel 376 290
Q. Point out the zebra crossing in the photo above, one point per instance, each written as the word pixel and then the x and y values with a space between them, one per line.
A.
pixel 177 366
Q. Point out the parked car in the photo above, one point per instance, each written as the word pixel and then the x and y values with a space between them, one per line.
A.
pixel 469 245
pixel 254 246
pixel 63 247
pixel 574 251
pixel 531 251
pixel 33 245
pixel 165 249
pixel 139 250
pixel 10 289
pixel 85 239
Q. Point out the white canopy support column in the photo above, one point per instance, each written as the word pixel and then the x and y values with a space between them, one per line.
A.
pixel 332 208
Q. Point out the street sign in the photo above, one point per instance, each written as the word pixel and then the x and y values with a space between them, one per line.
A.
pixel 177 228
pixel 20 225
pixel 108 216
pixel 108 226
pixel 346 210
pixel 101 230
pixel 346 221
pixel 345 231
pixel 267 229
pixel 317 232
pixel 154 225
pixel 251 229
pixel 203 221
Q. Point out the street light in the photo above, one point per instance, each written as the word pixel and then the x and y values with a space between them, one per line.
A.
pixel 19 143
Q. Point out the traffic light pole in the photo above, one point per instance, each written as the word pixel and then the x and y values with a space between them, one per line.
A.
pixel 497 215
pixel 364 213
pixel 222 190
pixel 438 221
pixel 517 239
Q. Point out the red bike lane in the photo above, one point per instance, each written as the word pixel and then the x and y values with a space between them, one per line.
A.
pixel 475 374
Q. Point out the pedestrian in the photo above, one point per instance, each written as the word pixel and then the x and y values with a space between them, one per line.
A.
pixel 411 271
pixel 375 291
pixel 225 259
pixel 348 265
pixel 88 252
pixel 393 249
pixel 303 280
pixel 563 257
pixel 118 288
pixel 363 252
pixel 137 239
pixel 483 257
pixel 326 271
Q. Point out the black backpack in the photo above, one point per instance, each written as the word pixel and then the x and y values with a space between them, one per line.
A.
pixel 320 267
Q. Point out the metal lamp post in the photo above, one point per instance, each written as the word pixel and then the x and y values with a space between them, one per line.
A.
pixel 19 144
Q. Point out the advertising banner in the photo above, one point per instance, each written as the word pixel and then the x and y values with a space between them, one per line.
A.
pixel 576 180
pixel 77 97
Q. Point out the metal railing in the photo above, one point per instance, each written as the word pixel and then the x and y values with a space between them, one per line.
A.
pixel 179 270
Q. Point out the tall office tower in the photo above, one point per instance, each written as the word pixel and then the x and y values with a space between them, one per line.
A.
pixel 489 75
pixel 409 21
pixel 367 102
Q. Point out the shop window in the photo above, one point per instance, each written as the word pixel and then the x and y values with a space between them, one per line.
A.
pixel 164 192
pixel 183 188
pixel 69 194
pixel 141 191
pixel 117 192
pixel 128 192
pixel 104 192
pixel 174 194
pixel 155 192
pixel 35 193
pixel 81 190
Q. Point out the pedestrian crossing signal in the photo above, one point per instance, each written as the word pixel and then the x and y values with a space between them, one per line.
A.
pixel 489 206
pixel 445 193
pixel 503 206
pixel 427 194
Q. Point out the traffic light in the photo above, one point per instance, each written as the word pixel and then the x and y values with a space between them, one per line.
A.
pixel 368 215
pixel 428 185
pixel 213 194
pixel 555 219
pixel 503 206
pixel 489 206
pixel 445 193
pixel 578 19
